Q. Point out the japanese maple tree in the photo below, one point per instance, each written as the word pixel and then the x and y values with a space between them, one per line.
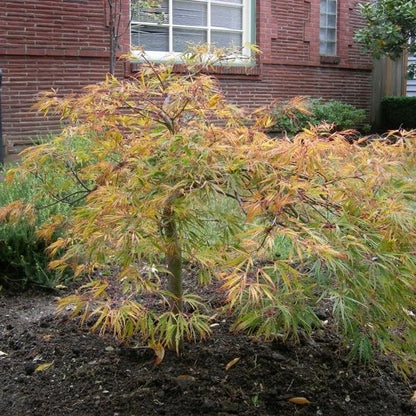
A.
pixel 174 177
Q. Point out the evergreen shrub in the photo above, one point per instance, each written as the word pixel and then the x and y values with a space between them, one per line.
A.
pixel 398 112
pixel 341 115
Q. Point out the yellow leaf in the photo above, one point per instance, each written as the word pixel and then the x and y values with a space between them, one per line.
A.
pixel 232 363
pixel 299 400
pixel 43 367
pixel 413 398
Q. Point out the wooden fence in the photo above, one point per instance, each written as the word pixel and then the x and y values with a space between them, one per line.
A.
pixel 389 79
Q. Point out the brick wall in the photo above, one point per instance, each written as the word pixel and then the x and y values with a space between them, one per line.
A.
pixel 64 44
pixel 44 44
pixel 25 78
pixel 288 35
pixel 286 81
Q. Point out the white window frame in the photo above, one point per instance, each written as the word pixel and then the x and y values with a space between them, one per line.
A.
pixel 248 21
pixel 326 28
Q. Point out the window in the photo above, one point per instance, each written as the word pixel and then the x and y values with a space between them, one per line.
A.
pixel 168 29
pixel 328 28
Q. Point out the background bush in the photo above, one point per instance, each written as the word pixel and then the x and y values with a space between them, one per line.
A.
pixel 343 116
pixel 398 112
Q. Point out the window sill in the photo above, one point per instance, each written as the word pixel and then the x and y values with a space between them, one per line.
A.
pixel 330 60
pixel 231 70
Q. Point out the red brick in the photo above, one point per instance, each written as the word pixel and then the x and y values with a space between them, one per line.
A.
pixel 64 44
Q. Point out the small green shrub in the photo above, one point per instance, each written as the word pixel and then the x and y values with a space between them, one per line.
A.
pixel 23 257
pixel 343 116
pixel 398 112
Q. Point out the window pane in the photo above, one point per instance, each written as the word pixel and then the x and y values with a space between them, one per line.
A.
pixel 331 49
pixel 322 48
pixel 229 17
pixel 327 35
pixel 332 7
pixel 183 37
pixel 330 35
pixel 225 39
pixel 332 20
pixel 150 14
pixel 152 38
pixel 327 48
pixel 189 13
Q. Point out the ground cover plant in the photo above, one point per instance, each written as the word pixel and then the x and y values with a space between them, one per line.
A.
pixel 175 178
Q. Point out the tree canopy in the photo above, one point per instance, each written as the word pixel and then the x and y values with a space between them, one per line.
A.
pixel 390 27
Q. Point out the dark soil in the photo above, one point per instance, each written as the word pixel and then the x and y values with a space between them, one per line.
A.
pixel 92 376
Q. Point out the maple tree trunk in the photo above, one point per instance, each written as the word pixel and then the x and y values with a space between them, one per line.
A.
pixel 173 259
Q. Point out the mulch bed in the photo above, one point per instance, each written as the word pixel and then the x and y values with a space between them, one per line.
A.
pixel 51 367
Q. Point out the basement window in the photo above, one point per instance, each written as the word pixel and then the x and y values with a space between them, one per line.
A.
pixel 166 31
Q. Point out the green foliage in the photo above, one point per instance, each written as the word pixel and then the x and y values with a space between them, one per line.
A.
pixel 292 120
pixel 173 174
pixel 398 112
pixel 148 10
pixel 23 260
pixel 390 27
pixel 341 115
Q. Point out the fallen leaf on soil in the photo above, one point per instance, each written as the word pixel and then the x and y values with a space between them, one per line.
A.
pixel 232 363
pixel 299 400
pixel 186 377
pixel 2 354
pixel 61 287
pixel 43 367
pixel 47 337
pixel 413 398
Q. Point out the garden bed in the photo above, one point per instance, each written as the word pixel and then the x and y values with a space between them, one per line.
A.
pixel 49 366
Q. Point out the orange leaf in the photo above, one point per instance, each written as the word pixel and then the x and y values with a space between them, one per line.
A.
pixel 299 400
